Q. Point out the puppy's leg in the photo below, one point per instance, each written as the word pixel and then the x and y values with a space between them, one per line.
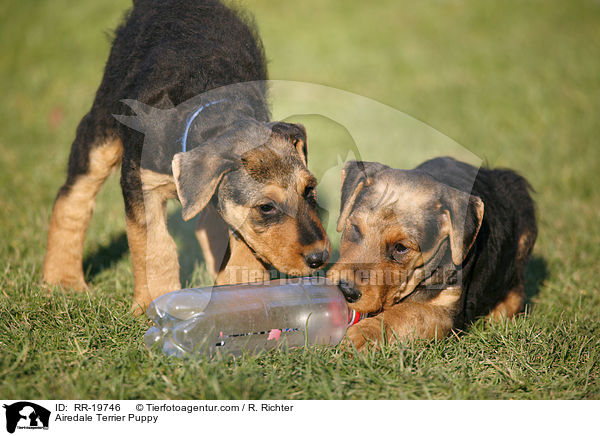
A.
pixel 90 163
pixel 514 301
pixel 213 236
pixel 153 251
pixel 512 304
pixel 242 266
pixel 404 321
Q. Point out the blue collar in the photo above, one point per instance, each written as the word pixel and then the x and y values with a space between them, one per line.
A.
pixel 191 119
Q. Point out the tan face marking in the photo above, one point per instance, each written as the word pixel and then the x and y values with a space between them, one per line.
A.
pixel 385 245
pixel 275 193
pixel 274 210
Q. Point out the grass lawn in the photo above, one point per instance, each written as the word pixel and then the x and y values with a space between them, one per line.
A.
pixel 516 83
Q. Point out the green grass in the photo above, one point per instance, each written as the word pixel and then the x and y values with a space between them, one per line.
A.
pixel 515 82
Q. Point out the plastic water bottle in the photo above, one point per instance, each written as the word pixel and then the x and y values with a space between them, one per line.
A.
pixel 249 317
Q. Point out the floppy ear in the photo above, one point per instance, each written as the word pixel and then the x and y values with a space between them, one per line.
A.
pixel 300 141
pixel 465 214
pixel 355 176
pixel 296 134
pixel 197 174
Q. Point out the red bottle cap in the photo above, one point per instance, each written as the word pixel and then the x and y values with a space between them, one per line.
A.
pixel 353 317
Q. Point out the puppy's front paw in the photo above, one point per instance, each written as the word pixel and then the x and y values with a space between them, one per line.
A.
pixel 354 336
pixel 364 333
pixel 138 309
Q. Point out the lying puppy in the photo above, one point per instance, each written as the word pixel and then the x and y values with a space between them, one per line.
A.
pixel 222 157
pixel 427 250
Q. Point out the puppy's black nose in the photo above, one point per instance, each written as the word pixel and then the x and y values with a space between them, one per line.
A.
pixel 316 258
pixel 351 294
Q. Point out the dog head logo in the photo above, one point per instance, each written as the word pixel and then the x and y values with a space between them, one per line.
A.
pixel 26 415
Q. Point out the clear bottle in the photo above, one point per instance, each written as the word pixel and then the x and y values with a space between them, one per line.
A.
pixel 249 317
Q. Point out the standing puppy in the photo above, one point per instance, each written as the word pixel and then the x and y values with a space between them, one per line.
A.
pixel 219 154
pixel 430 249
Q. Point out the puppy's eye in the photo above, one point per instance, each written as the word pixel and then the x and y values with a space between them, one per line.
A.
pixel 398 250
pixel 267 208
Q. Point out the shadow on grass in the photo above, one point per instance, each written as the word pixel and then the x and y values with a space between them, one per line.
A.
pixel 190 255
pixel 535 274
pixel 105 256
pixel 188 248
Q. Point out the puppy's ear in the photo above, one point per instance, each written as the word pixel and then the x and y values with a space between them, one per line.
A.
pixel 464 217
pixel 355 176
pixel 296 134
pixel 197 175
